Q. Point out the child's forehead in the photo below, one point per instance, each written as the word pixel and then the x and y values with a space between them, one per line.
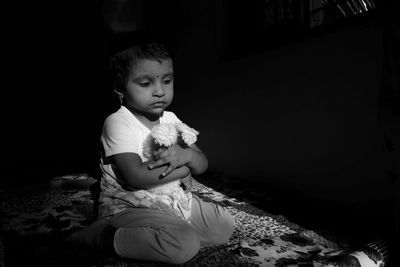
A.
pixel 152 67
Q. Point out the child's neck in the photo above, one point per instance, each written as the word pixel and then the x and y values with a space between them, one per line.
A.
pixel 148 123
pixel 148 120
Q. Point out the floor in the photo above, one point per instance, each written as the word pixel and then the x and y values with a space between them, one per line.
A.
pixel 354 225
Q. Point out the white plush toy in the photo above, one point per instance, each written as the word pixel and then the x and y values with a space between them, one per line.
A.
pixel 162 137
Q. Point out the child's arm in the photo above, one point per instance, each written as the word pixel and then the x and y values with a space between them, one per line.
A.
pixel 177 156
pixel 137 174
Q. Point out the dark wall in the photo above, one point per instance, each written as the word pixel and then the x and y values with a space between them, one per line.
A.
pixel 54 96
pixel 308 109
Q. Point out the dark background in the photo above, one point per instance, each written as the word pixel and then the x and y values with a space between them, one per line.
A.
pixel 303 118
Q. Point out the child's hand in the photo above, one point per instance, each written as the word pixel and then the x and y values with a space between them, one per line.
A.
pixel 175 156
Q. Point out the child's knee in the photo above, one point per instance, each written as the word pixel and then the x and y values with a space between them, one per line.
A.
pixel 222 229
pixel 227 227
pixel 185 247
pixel 175 246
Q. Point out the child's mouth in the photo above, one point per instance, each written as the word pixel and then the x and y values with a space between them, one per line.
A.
pixel 158 104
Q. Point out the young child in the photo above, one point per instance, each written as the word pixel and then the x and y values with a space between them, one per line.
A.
pixel 133 222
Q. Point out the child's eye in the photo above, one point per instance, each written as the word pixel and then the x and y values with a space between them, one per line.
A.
pixel 167 81
pixel 144 84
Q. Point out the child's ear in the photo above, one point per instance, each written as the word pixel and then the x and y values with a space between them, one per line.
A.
pixel 120 95
pixel 118 92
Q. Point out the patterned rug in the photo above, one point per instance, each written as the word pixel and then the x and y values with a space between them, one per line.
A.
pixel 37 219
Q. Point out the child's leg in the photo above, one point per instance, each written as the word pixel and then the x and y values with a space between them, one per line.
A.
pixel 213 223
pixel 143 234
pixel 99 235
pixel 148 234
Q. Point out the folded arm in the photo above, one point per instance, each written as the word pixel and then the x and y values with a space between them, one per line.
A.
pixel 136 174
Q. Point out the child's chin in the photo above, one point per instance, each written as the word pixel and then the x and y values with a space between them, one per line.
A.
pixel 157 111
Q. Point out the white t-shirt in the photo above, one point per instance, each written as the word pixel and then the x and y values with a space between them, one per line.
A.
pixel 124 133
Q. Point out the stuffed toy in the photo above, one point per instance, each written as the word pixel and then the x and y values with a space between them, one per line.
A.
pixel 162 137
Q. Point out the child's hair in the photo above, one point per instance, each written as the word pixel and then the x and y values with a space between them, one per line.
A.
pixel 128 49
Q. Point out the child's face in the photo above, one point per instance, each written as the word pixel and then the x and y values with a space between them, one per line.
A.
pixel 150 87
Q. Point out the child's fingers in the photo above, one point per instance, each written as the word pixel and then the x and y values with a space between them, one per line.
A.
pixel 168 170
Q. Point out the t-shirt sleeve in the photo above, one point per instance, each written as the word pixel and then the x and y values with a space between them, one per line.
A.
pixel 171 117
pixel 119 136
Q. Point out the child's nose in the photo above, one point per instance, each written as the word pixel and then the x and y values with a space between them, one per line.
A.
pixel 159 89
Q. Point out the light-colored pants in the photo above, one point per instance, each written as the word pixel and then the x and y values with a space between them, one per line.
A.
pixel 148 234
